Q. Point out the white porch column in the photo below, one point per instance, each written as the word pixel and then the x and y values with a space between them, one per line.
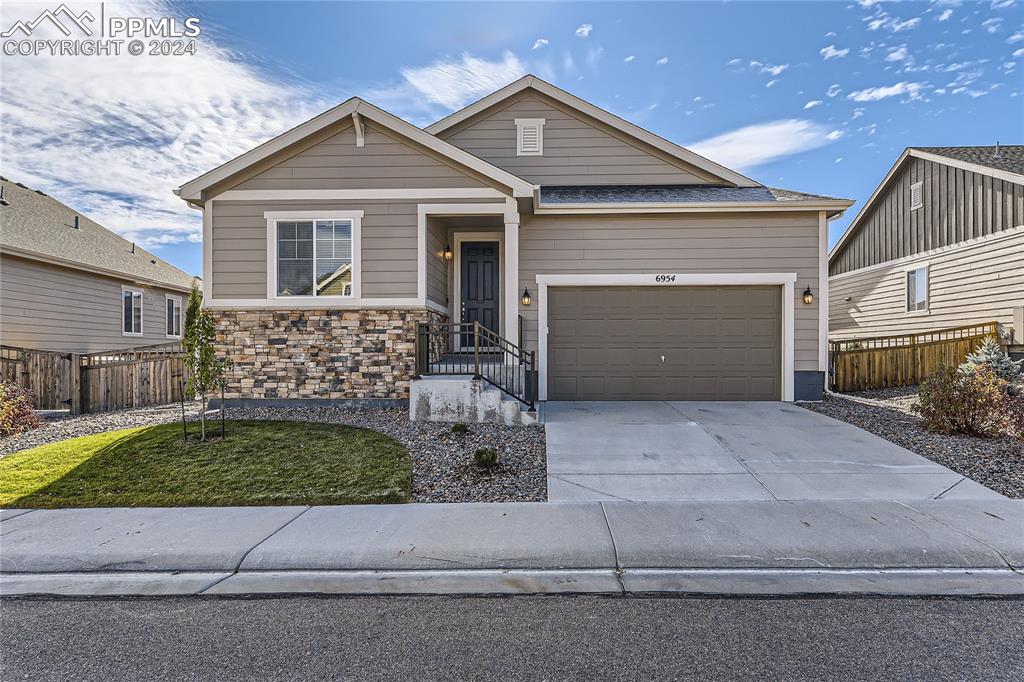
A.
pixel 512 277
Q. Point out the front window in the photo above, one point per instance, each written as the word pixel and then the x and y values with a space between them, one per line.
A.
pixel 174 317
pixel 131 312
pixel 917 290
pixel 314 258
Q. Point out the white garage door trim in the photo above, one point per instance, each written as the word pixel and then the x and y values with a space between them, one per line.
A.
pixel 786 280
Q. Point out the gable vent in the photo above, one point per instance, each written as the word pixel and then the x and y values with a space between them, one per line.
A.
pixel 529 136
pixel 915 196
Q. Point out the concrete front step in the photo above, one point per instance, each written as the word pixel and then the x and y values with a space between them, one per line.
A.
pixel 461 398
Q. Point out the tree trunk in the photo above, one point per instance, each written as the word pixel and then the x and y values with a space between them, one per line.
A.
pixel 202 419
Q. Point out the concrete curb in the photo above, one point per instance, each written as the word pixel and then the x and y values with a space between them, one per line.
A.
pixel 746 582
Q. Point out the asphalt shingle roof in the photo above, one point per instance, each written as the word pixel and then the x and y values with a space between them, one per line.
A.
pixel 669 194
pixel 38 223
pixel 1009 158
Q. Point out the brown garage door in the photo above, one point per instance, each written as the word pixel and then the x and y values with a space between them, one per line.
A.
pixel 664 343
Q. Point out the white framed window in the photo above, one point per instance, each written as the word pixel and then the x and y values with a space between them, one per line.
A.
pixel 172 317
pixel 131 311
pixel 917 289
pixel 529 136
pixel 916 199
pixel 313 255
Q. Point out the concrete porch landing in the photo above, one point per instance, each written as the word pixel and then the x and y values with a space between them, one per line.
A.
pixel 680 451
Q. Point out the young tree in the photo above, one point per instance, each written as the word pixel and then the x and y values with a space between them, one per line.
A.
pixel 194 305
pixel 990 354
pixel 205 370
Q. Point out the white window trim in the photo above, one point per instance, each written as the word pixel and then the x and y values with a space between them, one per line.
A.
pixel 927 288
pixel 522 123
pixel 181 307
pixel 919 186
pixel 142 310
pixel 273 217
pixel 786 280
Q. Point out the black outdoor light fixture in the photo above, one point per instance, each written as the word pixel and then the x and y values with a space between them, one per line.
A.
pixel 527 299
pixel 808 296
pixel 447 253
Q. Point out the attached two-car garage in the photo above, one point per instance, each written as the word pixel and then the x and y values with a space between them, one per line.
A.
pixel 664 342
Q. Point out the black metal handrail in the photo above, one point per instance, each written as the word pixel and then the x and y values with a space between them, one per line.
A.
pixel 444 348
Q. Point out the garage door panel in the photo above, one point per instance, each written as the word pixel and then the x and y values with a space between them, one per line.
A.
pixel 718 343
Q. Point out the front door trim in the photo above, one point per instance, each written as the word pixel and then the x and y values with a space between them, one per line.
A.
pixel 786 280
pixel 459 237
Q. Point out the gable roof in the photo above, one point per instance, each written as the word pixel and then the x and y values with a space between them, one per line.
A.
pixel 1009 158
pixel 574 102
pixel 192 190
pixel 1009 166
pixel 677 194
pixel 37 226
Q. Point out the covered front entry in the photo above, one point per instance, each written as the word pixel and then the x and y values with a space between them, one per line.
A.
pixel 480 284
pixel 664 343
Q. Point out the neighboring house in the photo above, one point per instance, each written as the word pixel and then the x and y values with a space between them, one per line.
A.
pixel 652 272
pixel 939 244
pixel 69 284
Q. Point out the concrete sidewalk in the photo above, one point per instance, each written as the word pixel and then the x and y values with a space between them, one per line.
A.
pixel 963 547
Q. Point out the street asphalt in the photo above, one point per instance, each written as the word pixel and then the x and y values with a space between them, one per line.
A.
pixel 542 638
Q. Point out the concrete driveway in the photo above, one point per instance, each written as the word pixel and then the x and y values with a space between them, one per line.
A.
pixel 641 451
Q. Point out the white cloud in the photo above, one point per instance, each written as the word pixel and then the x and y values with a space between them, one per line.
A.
pixel 946 14
pixel 882 20
pixel 697 98
pixel 1003 4
pixel 773 69
pixel 1018 53
pixel 539 43
pixel 911 90
pixel 838 160
pixel 831 52
pixel 813 103
pixel 110 137
pixel 897 54
pixel 830 34
pixel 833 90
pixel 858 112
pixel 583 31
pixel 735 62
pixel 453 84
pixel 761 143
pixel 629 58
pixel 1015 38
pixel 834 135
pixel 662 62
pixel 992 24
pixel 771 83
pixel 868 3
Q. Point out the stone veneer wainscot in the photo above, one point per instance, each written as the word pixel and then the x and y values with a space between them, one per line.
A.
pixel 324 354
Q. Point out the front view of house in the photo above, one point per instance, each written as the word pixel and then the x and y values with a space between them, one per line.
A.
pixel 623 265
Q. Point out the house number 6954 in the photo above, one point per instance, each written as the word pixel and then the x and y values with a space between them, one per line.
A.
pixel 661 279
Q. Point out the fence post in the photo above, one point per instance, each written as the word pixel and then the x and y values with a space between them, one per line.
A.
pixel 75 382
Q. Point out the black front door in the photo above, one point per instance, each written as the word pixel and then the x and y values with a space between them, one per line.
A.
pixel 480 273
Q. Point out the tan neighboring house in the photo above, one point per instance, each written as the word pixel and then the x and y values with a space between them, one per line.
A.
pixel 940 243
pixel 651 272
pixel 69 284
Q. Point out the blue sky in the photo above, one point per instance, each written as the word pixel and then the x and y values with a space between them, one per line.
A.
pixel 813 96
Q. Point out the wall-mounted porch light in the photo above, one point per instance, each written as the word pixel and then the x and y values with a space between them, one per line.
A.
pixel 527 299
pixel 447 253
pixel 808 296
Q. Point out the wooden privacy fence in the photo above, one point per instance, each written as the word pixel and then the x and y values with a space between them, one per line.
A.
pixel 97 382
pixel 886 361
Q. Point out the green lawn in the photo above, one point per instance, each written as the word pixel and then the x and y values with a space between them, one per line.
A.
pixel 260 463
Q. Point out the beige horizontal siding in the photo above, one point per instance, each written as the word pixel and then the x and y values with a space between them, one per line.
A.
pixel 388 246
pixel 678 244
pixel 53 308
pixel 967 285
pixel 577 150
pixel 386 161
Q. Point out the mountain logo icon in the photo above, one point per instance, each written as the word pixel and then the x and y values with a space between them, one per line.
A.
pixel 52 16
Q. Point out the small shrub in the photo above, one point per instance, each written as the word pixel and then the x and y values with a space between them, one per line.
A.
pixel 460 429
pixel 16 412
pixel 1015 414
pixel 990 354
pixel 485 457
pixel 956 401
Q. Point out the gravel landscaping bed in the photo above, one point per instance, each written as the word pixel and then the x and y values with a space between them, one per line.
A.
pixel 443 468
pixel 994 462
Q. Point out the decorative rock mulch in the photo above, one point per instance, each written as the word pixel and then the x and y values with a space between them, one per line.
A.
pixel 994 462
pixel 443 468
